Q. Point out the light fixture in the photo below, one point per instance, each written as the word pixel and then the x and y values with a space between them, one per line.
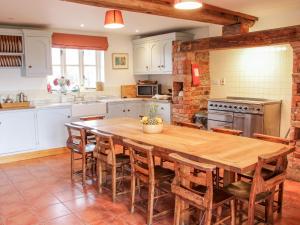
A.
pixel 188 4
pixel 113 19
pixel 82 25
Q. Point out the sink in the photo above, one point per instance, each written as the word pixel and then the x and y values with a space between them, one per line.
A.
pixel 88 108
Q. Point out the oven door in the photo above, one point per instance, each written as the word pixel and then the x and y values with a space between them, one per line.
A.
pixel 144 90
pixel 219 119
pixel 248 123
pixel 218 124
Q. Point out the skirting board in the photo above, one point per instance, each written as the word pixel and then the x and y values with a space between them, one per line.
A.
pixel 32 155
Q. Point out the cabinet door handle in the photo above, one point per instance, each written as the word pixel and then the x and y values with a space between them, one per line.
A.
pixel 128 110
pixel 0 123
pixel 162 66
pixel 158 66
pixel 124 110
pixel 30 66
pixel 162 108
pixel 69 116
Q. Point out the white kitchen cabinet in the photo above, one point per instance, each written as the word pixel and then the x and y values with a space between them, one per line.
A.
pixel 125 109
pixel 155 51
pixel 17 131
pixel 153 55
pixel 166 56
pixel 51 131
pixel 37 45
pixel 141 58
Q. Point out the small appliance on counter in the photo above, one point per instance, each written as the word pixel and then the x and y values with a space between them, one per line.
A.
pixel 147 88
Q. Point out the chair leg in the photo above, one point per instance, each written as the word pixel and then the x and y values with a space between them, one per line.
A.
pixel 72 165
pixel 269 209
pixel 151 189
pixel 280 197
pixel 251 212
pixel 177 211
pixel 218 178
pixel 208 217
pixel 232 211
pixel 113 182
pixel 219 213
pixel 133 181
pixel 100 178
pixel 83 169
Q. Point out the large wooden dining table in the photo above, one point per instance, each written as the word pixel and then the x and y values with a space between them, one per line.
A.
pixel 232 153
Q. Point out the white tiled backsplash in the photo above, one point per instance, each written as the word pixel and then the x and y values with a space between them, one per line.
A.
pixel 264 72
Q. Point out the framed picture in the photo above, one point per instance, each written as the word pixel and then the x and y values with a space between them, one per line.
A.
pixel 120 60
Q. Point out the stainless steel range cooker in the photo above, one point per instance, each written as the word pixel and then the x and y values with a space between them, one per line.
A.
pixel 247 114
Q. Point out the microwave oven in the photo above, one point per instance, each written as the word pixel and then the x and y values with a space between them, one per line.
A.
pixel 148 90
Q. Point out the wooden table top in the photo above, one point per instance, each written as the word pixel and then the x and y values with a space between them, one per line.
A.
pixel 233 153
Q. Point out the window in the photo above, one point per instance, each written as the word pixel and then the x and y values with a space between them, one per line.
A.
pixel 82 67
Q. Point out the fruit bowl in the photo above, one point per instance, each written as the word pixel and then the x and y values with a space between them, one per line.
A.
pixel 153 129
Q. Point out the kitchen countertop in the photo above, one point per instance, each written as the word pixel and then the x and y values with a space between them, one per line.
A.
pixel 69 104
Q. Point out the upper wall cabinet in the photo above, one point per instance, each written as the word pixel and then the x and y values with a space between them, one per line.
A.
pixel 37 45
pixel 153 55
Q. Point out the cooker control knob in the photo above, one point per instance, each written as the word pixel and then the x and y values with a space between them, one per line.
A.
pixel 216 105
pixel 245 108
pixel 240 107
pixel 211 105
pixel 258 110
pixel 225 106
pixel 220 105
pixel 230 107
pixel 235 107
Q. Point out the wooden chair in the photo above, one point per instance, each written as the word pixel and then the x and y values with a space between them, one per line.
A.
pixel 77 144
pixel 269 169
pixel 261 189
pixel 227 131
pixel 187 124
pixel 95 117
pixel 107 157
pixel 90 137
pixel 218 178
pixel 192 190
pixel 144 170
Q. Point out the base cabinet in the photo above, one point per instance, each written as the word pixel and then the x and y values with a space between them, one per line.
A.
pixel 125 109
pixel 51 130
pixel 17 131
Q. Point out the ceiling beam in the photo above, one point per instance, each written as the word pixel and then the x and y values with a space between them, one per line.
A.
pixel 208 13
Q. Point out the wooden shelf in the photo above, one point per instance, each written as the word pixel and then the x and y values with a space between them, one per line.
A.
pixel 11 53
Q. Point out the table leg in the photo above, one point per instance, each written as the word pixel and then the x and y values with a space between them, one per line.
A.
pixel 229 177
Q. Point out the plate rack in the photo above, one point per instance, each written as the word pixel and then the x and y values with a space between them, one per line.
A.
pixel 11 51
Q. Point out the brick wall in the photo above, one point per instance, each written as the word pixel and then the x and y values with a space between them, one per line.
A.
pixel 194 97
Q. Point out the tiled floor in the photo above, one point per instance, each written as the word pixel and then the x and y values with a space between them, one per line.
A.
pixel 39 191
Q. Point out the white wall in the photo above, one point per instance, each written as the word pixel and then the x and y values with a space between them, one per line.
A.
pixel 264 72
pixel 11 80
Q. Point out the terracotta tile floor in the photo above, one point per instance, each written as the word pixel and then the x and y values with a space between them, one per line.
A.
pixel 39 192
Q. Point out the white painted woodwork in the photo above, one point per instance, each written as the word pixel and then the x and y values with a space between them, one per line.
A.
pixel 17 131
pixel 153 55
pixel 141 58
pixel 51 131
pixel 88 109
pixel 37 45
pixel 131 109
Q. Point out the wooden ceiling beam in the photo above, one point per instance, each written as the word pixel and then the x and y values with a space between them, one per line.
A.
pixel 208 13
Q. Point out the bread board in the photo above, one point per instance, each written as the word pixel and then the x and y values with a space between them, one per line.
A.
pixel 15 105
pixel 128 91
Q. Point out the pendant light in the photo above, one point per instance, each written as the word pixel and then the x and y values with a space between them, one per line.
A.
pixel 188 4
pixel 113 19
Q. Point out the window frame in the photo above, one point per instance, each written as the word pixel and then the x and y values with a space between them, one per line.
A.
pixel 99 66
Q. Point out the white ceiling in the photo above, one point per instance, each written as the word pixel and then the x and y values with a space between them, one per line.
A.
pixel 56 14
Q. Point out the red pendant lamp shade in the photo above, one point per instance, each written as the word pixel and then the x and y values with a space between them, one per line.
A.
pixel 113 19
pixel 188 4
